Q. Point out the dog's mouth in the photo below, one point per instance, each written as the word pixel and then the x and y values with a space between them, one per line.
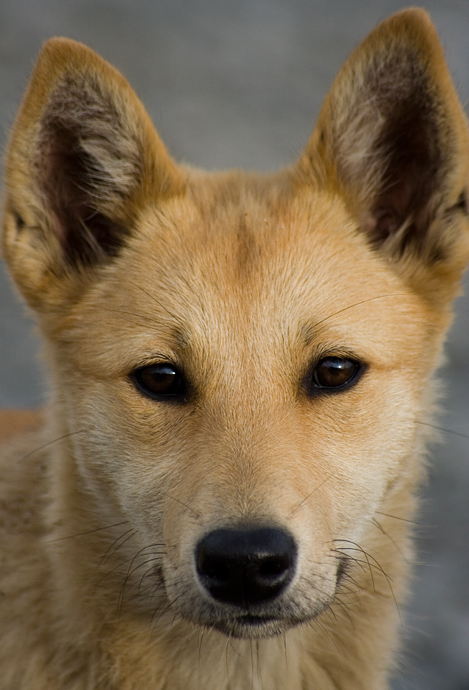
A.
pixel 252 626
pixel 257 625
pixel 249 619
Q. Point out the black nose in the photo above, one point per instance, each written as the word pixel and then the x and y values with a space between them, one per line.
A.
pixel 246 566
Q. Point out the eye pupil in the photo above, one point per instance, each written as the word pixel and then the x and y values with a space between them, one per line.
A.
pixel 334 372
pixel 160 382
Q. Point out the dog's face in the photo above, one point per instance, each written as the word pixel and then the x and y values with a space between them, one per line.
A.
pixel 243 378
pixel 241 361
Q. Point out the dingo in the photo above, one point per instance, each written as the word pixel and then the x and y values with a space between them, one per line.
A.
pixel 241 368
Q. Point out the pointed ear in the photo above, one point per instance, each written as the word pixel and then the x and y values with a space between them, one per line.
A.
pixel 82 160
pixel 392 140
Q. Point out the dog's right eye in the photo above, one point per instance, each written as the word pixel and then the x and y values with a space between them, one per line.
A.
pixel 162 382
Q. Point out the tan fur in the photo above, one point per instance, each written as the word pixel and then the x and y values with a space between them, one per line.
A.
pixel 244 282
pixel 12 422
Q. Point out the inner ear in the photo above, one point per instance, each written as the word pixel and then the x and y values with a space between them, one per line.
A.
pixel 91 153
pixel 77 187
pixel 412 163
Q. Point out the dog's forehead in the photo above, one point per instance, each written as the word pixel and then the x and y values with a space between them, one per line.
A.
pixel 245 241
pixel 253 252
pixel 225 267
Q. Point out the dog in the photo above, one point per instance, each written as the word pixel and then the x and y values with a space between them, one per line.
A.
pixel 219 494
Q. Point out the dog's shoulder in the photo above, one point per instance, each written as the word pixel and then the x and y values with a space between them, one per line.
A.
pixel 16 422
pixel 24 564
pixel 32 652
pixel 21 457
pixel 22 491
pixel 23 461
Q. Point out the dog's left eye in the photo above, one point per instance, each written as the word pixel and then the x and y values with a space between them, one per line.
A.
pixel 333 373
pixel 161 382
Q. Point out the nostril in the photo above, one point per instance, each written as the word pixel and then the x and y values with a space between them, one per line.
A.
pixel 272 566
pixel 246 566
pixel 213 566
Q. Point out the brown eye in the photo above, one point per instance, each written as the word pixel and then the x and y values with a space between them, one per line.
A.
pixel 334 373
pixel 162 382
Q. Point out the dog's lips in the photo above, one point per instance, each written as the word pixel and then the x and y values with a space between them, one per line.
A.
pixel 252 626
pixel 249 619
pixel 261 625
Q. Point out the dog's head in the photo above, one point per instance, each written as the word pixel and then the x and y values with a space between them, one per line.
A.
pixel 241 361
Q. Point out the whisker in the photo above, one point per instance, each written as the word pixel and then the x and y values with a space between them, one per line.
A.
pixel 154 559
pixel 373 564
pixel 84 534
pixel 158 610
pixel 397 517
pixel 357 304
pixel 183 504
pixel 315 624
pixel 201 639
pixel 115 546
pixel 51 443
pixel 393 541
pixel 357 547
pixel 441 428
pixel 297 507
pixel 113 570
pixel 343 607
pixel 130 571
pixel 370 566
pixel 149 571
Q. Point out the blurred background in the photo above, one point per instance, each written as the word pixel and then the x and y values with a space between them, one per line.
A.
pixel 239 83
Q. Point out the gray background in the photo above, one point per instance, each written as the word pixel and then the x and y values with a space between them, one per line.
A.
pixel 239 83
